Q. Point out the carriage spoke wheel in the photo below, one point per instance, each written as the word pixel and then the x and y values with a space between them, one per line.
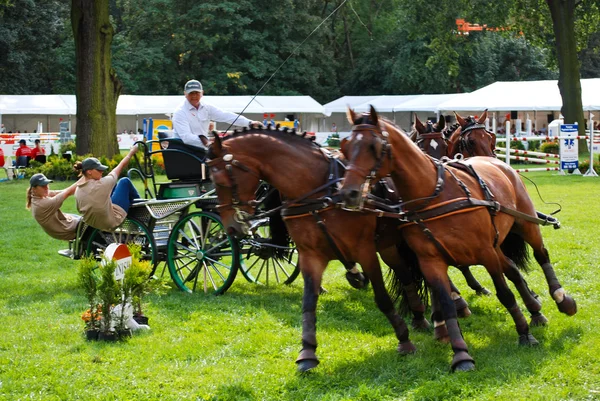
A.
pixel 201 256
pixel 265 263
pixel 129 232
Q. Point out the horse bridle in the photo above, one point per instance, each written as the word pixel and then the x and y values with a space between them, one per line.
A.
pixel 241 217
pixel 382 136
pixel 464 134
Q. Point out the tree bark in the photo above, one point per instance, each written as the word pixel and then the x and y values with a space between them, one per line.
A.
pixel 563 20
pixel 98 87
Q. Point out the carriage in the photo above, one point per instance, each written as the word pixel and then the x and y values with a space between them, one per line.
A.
pixel 177 225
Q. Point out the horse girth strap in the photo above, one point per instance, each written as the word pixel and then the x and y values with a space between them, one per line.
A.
pixel 338 253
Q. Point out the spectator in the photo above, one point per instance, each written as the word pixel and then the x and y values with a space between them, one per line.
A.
pixel 38 150
pixel 102 201
pixel 2 129
pixel 23 149
pixel 333 127
pixel 296 125
pixel 45 208
pixel 191 119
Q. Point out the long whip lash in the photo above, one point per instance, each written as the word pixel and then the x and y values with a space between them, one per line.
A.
pixel 284 61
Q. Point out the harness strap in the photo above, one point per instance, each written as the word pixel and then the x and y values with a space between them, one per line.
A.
pixel 548 220
pixel 338 253
pixel 440 247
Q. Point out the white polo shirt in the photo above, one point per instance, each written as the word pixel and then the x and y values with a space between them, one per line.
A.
pixel 189 122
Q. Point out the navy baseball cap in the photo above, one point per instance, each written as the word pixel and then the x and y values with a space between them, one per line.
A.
pixel 91 163
pixel 39 180
pixel 192 86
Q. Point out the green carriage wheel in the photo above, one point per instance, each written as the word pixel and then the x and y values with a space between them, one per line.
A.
pixel 130 231
pixel 200 254
pixel 264 263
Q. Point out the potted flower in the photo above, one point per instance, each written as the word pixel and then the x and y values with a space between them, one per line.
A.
pixel 87 279
pixel 108 291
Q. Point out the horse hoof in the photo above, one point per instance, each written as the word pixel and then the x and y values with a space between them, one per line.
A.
pixel 306 365
pixel 483 291
pixel 568 306
pixel 357 280
pixel 538 320
pixel 462 362
pixel 421 324
pixel 440 333
pixel 406 348
pixel 465 366
pixel 462 307
pixel 528 339
pixel 464 312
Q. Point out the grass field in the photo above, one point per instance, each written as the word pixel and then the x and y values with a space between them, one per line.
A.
pixel 242 346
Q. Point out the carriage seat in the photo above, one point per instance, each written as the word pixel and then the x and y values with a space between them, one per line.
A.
pixel 182 162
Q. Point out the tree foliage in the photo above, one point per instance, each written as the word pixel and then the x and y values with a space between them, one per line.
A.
pixel 234 46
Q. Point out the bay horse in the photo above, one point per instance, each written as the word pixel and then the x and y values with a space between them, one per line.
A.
pixel 471 138
pixel 298 169
pixel 474 212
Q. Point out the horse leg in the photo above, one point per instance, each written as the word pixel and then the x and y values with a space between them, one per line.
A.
pixel 532 304
pixel 356 279
pixel 373 270
pixel 307 359
pixel 437 277
pixel 472 281
pixel 507 298
pixel 440 331
pixel 533 236
pixel 393 259
pixel 462 307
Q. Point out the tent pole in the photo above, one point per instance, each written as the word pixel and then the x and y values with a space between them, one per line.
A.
pixel 137 123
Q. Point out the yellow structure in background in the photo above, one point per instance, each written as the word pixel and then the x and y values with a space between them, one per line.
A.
pixel 160 126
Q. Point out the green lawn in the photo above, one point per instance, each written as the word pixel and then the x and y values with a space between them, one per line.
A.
pixel 242 346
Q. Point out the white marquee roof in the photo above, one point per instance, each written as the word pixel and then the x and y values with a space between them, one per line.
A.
pixel 425 102
pixel 340 105
pixel 146 105
pixel 522 95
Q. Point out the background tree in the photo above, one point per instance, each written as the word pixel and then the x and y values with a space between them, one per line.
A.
pixel 97 88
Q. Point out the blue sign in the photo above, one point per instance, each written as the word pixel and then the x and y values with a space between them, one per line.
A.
pixel 569 154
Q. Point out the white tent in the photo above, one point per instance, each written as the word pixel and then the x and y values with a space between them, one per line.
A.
pixel 340 105
pixel 384 104
pixel 24 111
pixel 522 96
pixel 425 102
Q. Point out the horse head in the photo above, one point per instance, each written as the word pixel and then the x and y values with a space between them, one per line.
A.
pixel 430 137
pixel 368 154
pixel 472 138
pixel 235 182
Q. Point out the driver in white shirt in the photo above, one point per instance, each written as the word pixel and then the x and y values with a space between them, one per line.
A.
pixel 191 119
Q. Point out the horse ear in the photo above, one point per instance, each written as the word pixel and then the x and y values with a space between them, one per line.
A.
pixel 483 117
pixel 373 114
pixel 441 124
pixel 351 115
pixel 343 146
pixel 460 120
pixel 216 146
pixel 419 125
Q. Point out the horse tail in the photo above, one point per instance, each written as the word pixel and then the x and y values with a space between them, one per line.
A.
pixel 278 230
pixel 515 248
pixel 399 276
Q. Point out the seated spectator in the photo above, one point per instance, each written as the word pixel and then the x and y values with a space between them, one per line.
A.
pixel 23 149
pixel 45 208
pixel 38 150
pixel 102 201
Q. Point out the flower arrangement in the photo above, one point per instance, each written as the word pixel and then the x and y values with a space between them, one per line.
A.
pixel 124 296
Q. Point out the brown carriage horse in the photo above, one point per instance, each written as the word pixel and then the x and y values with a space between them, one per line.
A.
pixel 303 173
pixel 471 139
pixel 474 212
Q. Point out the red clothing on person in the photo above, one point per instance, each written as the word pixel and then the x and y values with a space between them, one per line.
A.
pixel 35 152
pixel 23 150
pixel 1 157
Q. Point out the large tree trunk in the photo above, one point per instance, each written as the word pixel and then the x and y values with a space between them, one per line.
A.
pixel 563 19
pixel 97 85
